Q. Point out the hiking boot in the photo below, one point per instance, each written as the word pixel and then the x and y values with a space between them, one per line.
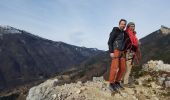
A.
pixel 119 85
pixel 113 87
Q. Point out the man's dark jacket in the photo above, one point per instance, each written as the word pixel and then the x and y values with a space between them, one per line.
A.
pixel 117 40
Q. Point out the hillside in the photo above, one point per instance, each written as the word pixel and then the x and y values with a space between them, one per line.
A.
pixel 25 57
pixel 156 45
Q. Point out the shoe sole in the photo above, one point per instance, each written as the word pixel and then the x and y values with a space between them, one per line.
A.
pixel 121 88
pixel 112 90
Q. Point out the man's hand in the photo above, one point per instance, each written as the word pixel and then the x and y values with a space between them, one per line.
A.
pixel 111 55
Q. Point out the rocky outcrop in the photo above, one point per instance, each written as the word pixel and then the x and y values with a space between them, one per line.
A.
pixel 160 71
pixel 165 30
pixel 157 65
pixel 146 88
pixel 93 90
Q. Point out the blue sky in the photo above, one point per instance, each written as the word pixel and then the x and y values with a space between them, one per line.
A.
pixel 83 22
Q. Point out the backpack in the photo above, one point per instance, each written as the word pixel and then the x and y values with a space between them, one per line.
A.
pixel 132 44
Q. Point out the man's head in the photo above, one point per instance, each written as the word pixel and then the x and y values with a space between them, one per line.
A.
pixel 122 24
pixel 131 25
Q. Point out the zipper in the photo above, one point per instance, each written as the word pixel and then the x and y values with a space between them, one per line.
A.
pixel 116 44
pixel 123 41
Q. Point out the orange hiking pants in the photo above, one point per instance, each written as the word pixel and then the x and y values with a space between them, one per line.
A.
pixel 118 66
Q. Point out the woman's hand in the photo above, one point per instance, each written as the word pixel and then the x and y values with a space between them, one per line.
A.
pixel 111 55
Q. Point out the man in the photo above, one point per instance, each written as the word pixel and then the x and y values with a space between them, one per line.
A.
pixel 116 45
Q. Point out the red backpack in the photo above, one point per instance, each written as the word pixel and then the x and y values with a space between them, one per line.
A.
pixel 132 44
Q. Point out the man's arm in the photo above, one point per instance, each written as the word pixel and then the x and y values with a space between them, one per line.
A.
pixel 112 37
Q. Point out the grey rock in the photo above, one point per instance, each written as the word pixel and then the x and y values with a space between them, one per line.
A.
pixel 164 75
pixel 161 80
pixel 168 78
pixel 167 84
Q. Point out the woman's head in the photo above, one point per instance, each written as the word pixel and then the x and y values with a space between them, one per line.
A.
pixel 131 26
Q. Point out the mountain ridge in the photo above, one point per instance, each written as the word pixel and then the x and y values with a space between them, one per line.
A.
pixel 156 45
pixel 27 57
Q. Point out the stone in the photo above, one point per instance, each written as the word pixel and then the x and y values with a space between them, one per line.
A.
pixel 153 85
pixel 167 84
pixel 79 82
pixel 130 91
pixel 54 96
pixel 66 77
pixel 83 88
pixel 55 82
pixel 139 82
pixel 141 97
pixel 100 79
pixel 124 95
pixel 161 80
pixel 168 78
pixel 59 95
pixel 78 91
pixel 164 75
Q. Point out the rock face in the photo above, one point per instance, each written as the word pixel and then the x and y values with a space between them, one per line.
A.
pixel 97 89
pixel 165 30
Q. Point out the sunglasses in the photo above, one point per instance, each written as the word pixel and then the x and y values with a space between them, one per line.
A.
pixel 132 26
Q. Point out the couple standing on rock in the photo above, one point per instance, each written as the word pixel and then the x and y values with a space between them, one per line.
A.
pixel 123 47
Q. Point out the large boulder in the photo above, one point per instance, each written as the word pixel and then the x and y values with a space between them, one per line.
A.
pixel 157 65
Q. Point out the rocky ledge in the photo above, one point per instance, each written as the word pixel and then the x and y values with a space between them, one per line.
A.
pixel 146 88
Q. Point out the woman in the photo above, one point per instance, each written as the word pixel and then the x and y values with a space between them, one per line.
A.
pixel 132 47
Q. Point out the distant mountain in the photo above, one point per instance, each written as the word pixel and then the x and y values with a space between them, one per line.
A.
pixel 25 57
pixel 156 46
